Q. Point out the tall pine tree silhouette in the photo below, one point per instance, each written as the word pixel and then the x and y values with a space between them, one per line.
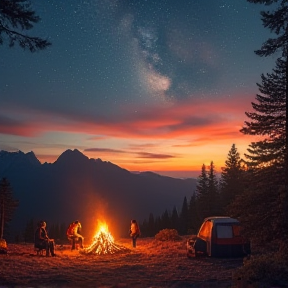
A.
pixel 232 178
pixel 263 207
pixel 16 17
pixel 7 204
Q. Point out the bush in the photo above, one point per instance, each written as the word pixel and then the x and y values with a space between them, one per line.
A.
pixel 265 269
pixel 167 234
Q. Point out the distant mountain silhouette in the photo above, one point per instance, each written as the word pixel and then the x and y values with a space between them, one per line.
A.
pixel 76 187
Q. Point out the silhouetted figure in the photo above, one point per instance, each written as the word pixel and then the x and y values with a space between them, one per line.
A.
pixel 134 232
pixel 42 241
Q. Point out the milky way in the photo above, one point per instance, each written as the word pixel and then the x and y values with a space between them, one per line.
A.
pixel 112 63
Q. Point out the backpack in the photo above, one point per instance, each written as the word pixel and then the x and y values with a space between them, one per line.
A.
pixel 70 229
pixel 138 231
pixel 3 246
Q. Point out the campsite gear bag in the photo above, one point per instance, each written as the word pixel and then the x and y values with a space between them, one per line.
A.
pixel 3 246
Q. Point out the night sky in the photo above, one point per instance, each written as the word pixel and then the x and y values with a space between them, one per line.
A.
pixel 147 85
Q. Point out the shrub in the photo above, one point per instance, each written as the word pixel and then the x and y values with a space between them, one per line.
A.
pixel 264 269
pixel 167 234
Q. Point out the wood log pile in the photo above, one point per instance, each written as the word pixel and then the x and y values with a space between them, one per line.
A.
pixel 104 244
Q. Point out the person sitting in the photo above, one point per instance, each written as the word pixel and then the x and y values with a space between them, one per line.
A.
pixel 73 234
pixel 42 241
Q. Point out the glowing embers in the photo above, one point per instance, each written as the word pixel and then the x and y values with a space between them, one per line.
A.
pixel 103 243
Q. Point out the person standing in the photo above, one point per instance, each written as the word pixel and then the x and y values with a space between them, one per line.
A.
pixel 134 232
pixel 42 240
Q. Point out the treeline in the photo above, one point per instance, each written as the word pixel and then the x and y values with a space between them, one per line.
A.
pixel 212 197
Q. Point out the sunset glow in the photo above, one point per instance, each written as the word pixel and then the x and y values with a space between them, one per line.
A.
pixel 147 93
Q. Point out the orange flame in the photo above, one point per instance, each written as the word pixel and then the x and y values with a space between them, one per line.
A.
pixel 103 242
pixel 103 229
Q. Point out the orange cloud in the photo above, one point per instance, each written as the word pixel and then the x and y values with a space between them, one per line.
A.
pixel 179 136
pixel 217 117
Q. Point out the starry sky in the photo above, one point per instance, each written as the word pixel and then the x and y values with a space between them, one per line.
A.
pixel 149 85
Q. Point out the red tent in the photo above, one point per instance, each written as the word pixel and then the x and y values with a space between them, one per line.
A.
pixel 219 237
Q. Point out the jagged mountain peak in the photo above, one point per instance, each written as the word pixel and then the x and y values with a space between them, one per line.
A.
pixel 4 153
pixel 17 158
pixel 19 155
pixel 32 157
pixel 71 156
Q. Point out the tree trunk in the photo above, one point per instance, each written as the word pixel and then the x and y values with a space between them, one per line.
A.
pixel 286 151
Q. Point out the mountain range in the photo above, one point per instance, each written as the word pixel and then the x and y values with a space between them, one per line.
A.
pixel 75 187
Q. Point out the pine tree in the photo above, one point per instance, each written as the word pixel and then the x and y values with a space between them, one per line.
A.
pixel 202 194
pixel 263 207
pixel 16 16
pixel 184 217
pixel 269 120
pixel 232 178
pixel 175 221
pixel 265 200
pixel 165 220
pixel 260 208
pixel 158 225
pixel 144 228
pixel 7 204
pixel 151 225
pixel 213 195
pixel 277 22
pixel 194 221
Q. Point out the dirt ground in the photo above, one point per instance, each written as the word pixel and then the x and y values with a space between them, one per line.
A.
pixel 151 264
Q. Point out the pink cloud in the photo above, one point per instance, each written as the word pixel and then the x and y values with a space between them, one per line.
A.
pixel 219 117
pixel 154 155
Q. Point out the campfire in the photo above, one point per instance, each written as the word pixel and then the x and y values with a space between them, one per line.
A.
pixel 103 243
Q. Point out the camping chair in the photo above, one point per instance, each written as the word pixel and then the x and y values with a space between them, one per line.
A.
pixel 39 250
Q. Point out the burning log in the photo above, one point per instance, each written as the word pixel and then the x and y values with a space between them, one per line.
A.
pixel 104 244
